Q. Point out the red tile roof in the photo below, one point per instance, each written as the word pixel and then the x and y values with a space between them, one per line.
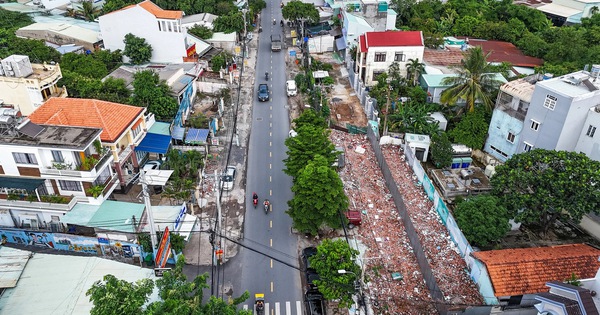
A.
pixel 506 52
pixel 526 270
pixel 155 10
pixel 390 39
pixel 113 118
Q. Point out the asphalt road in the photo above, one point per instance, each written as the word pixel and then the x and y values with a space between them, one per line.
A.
pixel 269 233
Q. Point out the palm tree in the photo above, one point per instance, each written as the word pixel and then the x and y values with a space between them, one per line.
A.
pixel 414 69
pixel 475 81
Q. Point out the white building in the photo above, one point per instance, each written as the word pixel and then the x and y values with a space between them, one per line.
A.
pixel 160 28
pixel 587 143
pixel 378 50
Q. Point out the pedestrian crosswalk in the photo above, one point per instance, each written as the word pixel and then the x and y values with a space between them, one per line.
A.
pixel 284 308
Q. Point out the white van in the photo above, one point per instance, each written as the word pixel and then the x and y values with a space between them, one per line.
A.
pixel 290 88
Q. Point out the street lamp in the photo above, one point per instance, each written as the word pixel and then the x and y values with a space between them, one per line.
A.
pixel 388 80
pixel 357 286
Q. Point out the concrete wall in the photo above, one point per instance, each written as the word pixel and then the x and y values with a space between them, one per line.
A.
pixel 590 145
pixel 411 52
pixel 500 125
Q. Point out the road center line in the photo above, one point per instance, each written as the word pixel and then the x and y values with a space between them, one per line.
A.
pixel 271 225
pixel 271 286
pixel 270 154
pixel 271 242
pixel 270 179
pixel 271 263
pixel 270 192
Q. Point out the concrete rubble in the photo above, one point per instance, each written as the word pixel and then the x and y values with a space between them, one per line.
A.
pixel 389 250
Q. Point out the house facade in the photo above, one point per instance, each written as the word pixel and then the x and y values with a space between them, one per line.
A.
pixel 26 86
pixel 160 28
pixel 46 169
pixel 553 119
pixel 123 128
pixel 378 50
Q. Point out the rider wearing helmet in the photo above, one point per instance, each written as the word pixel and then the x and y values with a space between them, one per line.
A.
pixel 254 196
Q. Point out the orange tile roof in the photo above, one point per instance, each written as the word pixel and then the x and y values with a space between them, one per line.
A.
pixel 526 270
pixel 158 12
pixel 113 118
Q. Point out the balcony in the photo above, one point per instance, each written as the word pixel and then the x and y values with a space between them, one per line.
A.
pixel 516 113
pixel 124 154
pixel 82 171
pixel 60 203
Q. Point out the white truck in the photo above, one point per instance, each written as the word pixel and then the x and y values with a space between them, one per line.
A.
pixel 275 42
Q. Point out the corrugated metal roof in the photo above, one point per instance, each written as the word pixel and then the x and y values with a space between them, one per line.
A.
pixel 110 215
pixel 160 128
pixel 12 264
pixel 72 31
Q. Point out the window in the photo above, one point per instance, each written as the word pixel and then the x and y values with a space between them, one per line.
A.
pixel 535 125
pixel 25 158
pixel 527 147
pixel 499 151
pixel 591 131
pixel 159 29
pixel 379 57
pixel 511 137
pixel 69 185
pixel 550 102
pixel 137 131
pixel 103 177
pixel 57 156
pixel 377 73
pixel 399 57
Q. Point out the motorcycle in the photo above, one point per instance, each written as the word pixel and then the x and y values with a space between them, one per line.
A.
pixel 267 206
pixel 281 23
pixel 260 29
pixel 267 76
pixel 255 200
pixel 274 21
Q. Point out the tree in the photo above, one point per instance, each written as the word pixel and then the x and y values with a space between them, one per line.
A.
pixel 334 255
pixel 201 32
pixel 414 69
pixel 136 49
pixel 414 117
pixel 230 23
pixel 482 219
pixel 308 143
pixel 310 118
pixel 14 20
pixel 542 186
pixel 318 197
pixel 472 129
pixel 441 150
pixel 217 63
pixel 119 297
pixel 150 92
pixel 85 65
pixel 297 10
pixel 474 82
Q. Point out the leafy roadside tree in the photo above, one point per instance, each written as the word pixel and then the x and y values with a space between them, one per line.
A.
pixel 318 197
pixel 136 49
pixel 201 32
pixel 482 219
pixel 310 142
pixel 256 6
pixel 441 150
pixel 542 186
pixel 310 118
pixel 334 255
pixel 114 296
pixel 298 10
pixel 475 81
pixel 472 129
pixel 150 92
pixel 230 23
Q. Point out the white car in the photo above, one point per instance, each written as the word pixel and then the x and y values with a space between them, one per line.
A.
pixel 229 178
pixel 290 88
pixel 151 165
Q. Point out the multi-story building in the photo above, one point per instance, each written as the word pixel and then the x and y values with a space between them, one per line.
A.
pixel 26 86
pixel 47 169
pixel 554 114
pixel 123 128
pixel 378 50
pixel 160 28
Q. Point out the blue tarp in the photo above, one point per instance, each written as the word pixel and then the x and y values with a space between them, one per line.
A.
pixel 178 133
pixel 155 143
pixel 196 136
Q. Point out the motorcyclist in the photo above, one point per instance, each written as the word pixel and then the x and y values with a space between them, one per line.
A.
pixel 274 21
pixel 254 196
pixel 281 23
pixel 267 204
pixel 267 76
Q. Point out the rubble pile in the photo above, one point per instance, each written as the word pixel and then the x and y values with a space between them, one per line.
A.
pixel 393 279
pixel 395 283
pixel 449 268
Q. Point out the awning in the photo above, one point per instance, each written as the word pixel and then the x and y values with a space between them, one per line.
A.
pixel 340 43
pixel 177 133
pixel 559 10
pixel 155 143
pixel 196 136
pixel 29 184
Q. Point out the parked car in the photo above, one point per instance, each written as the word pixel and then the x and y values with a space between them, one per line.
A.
pixel 314 303
pixel 229 178
pixel 310 273
pixel 263 92
pixel 290 88
pixel 306 254
pixel 311 277
pixel 151 165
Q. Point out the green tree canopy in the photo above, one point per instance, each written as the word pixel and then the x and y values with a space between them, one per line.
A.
pixel 119 297
pixel 13 21
pixel 230 23
pixel 298 10
pixel 542 186
pixel 334 255
pixel 310 142
pixel 482 219
pixel 475 81
pixel 441 150
pixel 150 92
pixel 201 32
pixel 472 129
pixel 136 49
pixel 85 65
pixel 310 118
pixel 318 197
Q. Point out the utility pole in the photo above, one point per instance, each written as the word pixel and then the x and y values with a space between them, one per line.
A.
pixel 148 205
pixel 387 105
